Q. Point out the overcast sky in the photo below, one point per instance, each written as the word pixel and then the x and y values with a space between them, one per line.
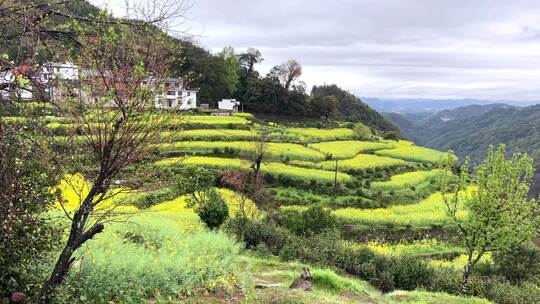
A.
pixel 393 48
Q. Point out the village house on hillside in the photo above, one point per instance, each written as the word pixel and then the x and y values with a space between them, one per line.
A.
pixel 175 95
pixel 229 105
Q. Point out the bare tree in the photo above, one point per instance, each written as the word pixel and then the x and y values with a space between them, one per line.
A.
pixel 248 59
pixel 259 152
pixel 123 65
pixel 286 73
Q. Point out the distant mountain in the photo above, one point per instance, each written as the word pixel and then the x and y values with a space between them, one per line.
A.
pixel 470 130
pixel 430 105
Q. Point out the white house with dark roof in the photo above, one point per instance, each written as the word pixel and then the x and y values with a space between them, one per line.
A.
pixel 176 95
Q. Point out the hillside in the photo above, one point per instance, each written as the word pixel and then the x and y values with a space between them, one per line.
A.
pixel 382 198
pixel 351 108
pixel 468 131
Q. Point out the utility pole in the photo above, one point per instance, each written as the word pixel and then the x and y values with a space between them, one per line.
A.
pixel 335 177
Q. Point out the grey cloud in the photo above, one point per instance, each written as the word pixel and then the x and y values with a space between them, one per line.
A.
pixel 412 48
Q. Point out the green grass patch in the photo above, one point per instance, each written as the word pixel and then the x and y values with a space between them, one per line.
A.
pixel 275 151
pixel 349 148
pixel 150 256
pixel 405 180
pixel 314 134
pixel 414 153
pixel 210 135
pixel 424 297
pixel 362 162
pixel 427 213
pixel 275 170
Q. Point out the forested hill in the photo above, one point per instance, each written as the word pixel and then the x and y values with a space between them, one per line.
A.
pixel 229 74
pixel 350 107
pixel 470 130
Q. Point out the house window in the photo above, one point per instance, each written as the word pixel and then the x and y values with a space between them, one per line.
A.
pixel 171 93
pixel 169 103
pixel 188 93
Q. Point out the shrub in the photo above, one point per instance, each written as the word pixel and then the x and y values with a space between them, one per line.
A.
pixel 213 211
pixel 392 135
pixel 518 265
pixel 257 233
pixel 312 220
pixel 410 273
pixel 383 281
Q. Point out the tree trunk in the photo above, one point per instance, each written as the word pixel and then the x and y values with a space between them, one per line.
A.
pixel 466 274
pixel 257 169
pixel 77 237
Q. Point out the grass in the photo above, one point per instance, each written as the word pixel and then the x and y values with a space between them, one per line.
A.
pixel 332 287
pixel 214 162
pixel 275 151
pixel 209 121
pixel 210 135
pixel 414 153
pixel 405 180
pixel 429 212
pixel 363 162
pixel 349 148
pixel 420 248
pixel 314 134
pixel 424 297
pixel 148 256
pixel 278 170
pixel 275 170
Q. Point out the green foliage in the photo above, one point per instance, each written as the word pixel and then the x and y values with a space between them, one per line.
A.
pixel 149 257
pixel 391 135
pixel 496 215
pixel 352 109
pixel 518 264
pixel 213 211
pixel 232 69
pixel 348 148
pixel 405 180
pixel 362 131
pixel 414 153
pixel 26 175
pixel 313 220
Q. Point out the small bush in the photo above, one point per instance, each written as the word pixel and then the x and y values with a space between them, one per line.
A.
pixel 213 211
pixel 518 265
pixel 383 281
pixel 313 220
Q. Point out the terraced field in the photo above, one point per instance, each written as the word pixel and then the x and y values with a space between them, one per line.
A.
pixel 365 183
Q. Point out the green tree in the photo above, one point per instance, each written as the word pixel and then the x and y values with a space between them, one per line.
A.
pixel 199 183
pixel 213 210
pixel 493 213
pixel 232 69
pixel 323 106
pixel 28 170
pixel 362 131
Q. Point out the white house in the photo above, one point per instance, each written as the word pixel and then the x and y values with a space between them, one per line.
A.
pixel 229 104
pixel 176 96
pixel 63 71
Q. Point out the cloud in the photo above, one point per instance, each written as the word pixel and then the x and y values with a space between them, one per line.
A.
pixel 393 48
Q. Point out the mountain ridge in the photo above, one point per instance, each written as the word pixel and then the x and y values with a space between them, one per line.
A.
pixel 472 129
